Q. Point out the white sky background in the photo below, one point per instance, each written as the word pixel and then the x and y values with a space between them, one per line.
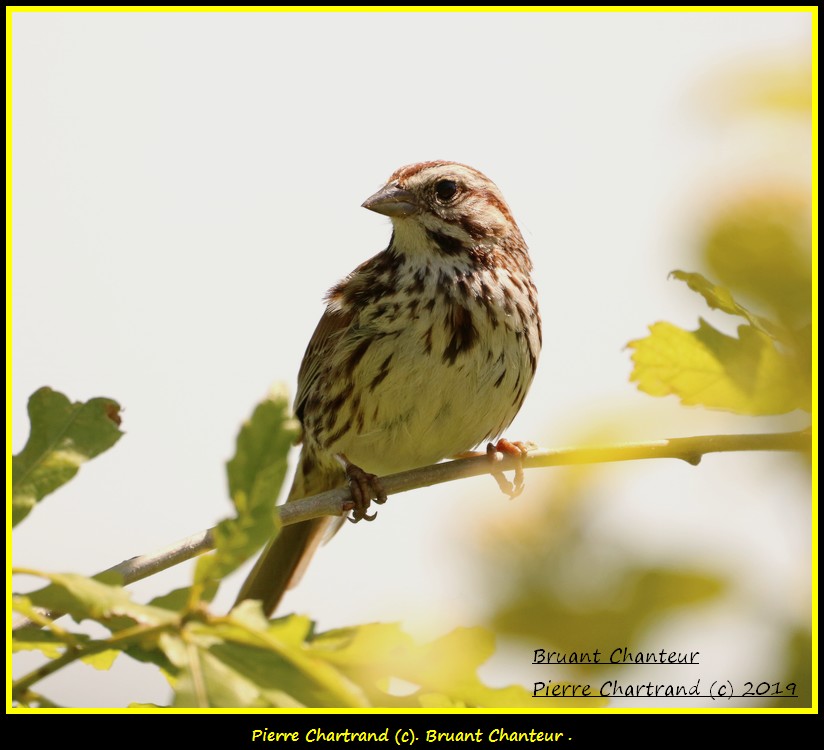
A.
pixel 187 186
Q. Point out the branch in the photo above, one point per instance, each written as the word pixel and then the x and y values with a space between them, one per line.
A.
pixel 339 501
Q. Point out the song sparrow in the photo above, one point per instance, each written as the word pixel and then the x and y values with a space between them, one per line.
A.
pixel 423 352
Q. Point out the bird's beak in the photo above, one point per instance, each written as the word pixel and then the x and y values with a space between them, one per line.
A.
pixel 392 200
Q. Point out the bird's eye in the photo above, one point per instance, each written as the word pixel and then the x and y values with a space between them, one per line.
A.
pixel 445 190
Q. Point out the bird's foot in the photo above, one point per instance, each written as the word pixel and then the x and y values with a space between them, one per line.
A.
pixel 365 488
pixel 519 451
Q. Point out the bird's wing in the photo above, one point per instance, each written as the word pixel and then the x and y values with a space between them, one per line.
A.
pixel 332 325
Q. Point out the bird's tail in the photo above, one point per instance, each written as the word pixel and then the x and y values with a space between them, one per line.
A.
pixel 284 559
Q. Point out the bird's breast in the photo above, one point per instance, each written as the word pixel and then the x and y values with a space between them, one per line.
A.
pixel 440 365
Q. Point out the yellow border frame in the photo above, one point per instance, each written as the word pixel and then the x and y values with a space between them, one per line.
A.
pixel 812 9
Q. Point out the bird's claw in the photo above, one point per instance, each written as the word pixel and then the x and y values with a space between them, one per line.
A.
pixel 365 488
pixel 517 450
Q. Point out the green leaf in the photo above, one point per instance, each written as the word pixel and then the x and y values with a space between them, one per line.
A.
pixel 206 682
pixel 637 599
pixel 179 600
pixel 720 298
pixel 85 598
pixel 102 660
pixel 63 436
pixel 244 660
pixel 259 465
pixel 760 248
pixel 746 375
pixel 278 659
pixel 50 644
pixel 443 673
pixel 255 474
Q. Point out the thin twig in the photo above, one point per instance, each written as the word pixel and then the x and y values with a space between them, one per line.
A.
pixel 143 566
pixel 689 449
pixel 338 501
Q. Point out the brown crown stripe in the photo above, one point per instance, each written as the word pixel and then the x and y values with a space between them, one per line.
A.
pixel 404 173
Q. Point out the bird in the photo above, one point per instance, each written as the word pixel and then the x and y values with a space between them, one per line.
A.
pixel 423 352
